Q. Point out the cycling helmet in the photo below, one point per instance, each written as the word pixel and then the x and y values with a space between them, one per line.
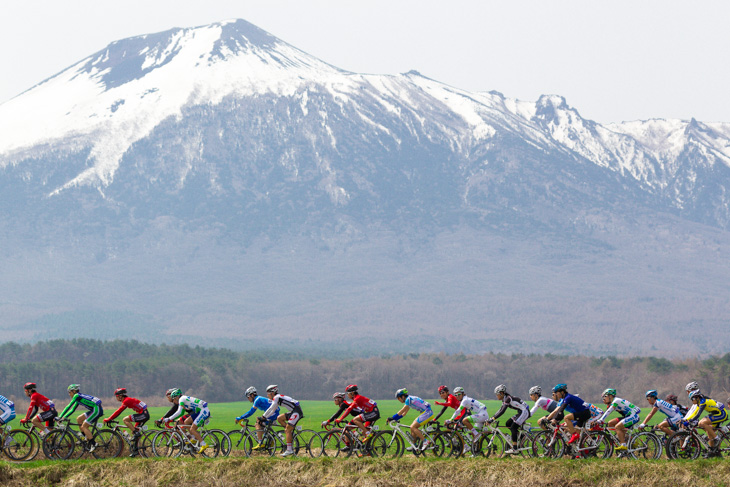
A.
pixel 175 393
pixel 696 394
pixel 652 393
pixel 341 395
pixel 30 386
pixel 74 387
pixel 609 392
pixel 560 387
pixel 122 391
pixel 251 391
pixel 401 393
pixel 692 386
pixel 536 390
pixel 671 398
pixel 500 388
pixel 459 390
pixel 351 388
pixel 169 391
pixel 273 388
pixel 443 389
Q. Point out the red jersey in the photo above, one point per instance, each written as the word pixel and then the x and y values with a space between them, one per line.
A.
pixel 38 401
pixel 361 402
pixel 129 402
pixel 451 402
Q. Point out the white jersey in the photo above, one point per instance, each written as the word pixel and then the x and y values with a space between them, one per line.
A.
pixel 189 405
pixel 472 405
pixel 284 401
pixel 621 406
pixel 670 410
pixel 545 403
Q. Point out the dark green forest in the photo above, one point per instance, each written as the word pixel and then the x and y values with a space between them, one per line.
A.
pixel 220 375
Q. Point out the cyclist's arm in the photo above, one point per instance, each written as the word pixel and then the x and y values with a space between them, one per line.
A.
pixel 117 412
pixel 177 414
pixel 70 407
pixel 272 409
pixel 170 412
pixel 445 407
pixel 695 413
pixel 501 411
pixel 607 413
pixel 249 413
pixel 32 410
pixel 343 407
pixel 651 414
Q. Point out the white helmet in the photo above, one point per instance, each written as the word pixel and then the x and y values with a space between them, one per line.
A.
pixel 459 390
pixel 251 391
pixel 536 390
pixel 692 386
pixel 273 388
pixel 500 388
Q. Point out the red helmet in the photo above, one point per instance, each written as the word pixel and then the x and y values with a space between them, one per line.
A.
pixel 29 385
pixel 122 391
pixel 443 389
pixel 351 388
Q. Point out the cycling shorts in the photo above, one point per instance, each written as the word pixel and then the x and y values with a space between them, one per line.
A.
pixel 520 418
pixel 674 421
pixel 424 416
pixel 371 417
pixel 581 417
pixel 478 418
pixel 93 415
pixel 293 417
pixel 718 419
pixel 629 421
pixel 141 418
pixel 201 417
pixel 49 415
pixel 7 416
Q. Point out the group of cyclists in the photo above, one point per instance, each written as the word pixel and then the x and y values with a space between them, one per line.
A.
pixel 562 408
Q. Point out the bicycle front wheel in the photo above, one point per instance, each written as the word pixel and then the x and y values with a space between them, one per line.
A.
pixel 316 444
pixel 58 445
pixel 684 446
pixel 387 444
pixel 241 443
pixel 18 445
pixel 437 447
pixel 595 444
pixel 491 445
pixel 167 443
pixel 109 444
pixel 646 445
pixel 336 442
pixel 546 445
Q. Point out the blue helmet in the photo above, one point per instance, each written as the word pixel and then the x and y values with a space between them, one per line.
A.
pixel 560 387
pixel 695 394
pixel 652 393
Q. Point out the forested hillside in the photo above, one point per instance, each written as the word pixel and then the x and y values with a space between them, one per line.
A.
pixel 221 375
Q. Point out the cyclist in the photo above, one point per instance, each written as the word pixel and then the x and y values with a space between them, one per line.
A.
pixel 288 420
pixel 39 401
pixel 450 401
pixel 343 405
pixel 692 386
pixel 87 419
pixel 467 405
pixel 262 404
pixel 672 399
pixel 542 402
pixel 198 414
pixel 370 412
pixel 577 409
pixel 716 415
pixel 419 405
pixel 629 415
pixel 674 417
pixel 133 421
pixel 7 410
pixel 515 422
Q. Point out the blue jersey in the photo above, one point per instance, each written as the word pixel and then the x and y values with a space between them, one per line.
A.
pixel 573 404
pixel 417 403
pixel 6 404
pixel 261 403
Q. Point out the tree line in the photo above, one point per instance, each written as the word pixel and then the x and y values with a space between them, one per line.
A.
pixel 221 375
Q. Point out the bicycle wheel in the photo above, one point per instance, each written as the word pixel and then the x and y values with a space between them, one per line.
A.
pixel 645 445
pixel 546 445
pixel 18 445
pixel 387 444
pixel 684 446
pixel 166 443
pixel 214 446
pixel 109 444
pixel 241 443
pixel 455 444
pixel 595 444
pixel 144 444
pixel 316 444
pixel 304 438
pixel 37 443
pixel 437 446
pixel 336 442
pixel 58 445
pixel 490 445
pixel 524 445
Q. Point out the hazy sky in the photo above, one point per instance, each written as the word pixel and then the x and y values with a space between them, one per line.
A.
pixel 613 61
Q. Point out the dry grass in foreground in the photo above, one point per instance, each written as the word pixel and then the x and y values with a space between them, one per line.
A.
pixel 364 473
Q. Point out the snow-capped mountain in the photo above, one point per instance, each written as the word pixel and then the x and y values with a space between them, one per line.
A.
pixel 223 133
